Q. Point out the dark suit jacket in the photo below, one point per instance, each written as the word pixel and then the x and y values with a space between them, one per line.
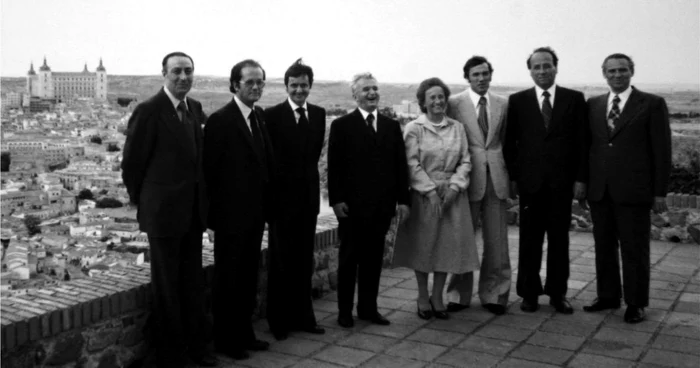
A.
pixel 536 156
pixel 161 169
pixel 296 157
pixel 634 161
pixel 369 173
pixel 238 193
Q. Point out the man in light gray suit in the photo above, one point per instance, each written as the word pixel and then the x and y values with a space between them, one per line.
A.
pixel 484 117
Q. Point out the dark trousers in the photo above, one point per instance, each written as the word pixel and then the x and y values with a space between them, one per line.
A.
pixel 545 211
pixel 236 264
pixel 176 286
pixel 624 227
pixel 361 257
pixel 291 252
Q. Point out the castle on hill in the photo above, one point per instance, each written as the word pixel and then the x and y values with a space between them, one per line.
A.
pixel 66 86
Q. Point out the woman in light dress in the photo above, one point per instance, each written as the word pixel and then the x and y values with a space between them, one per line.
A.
pixel 438 236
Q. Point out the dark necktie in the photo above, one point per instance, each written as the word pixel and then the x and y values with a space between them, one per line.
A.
pixel 546 109
pixel 303 121
pixel 259 143
pixel 370 123
pixel 186 122
pixel 614 114
pixel 483 118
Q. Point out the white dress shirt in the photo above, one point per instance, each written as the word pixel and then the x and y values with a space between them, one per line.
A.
pixel 624 96
pixel 373 113
pixel 295 107
pixel 245 111
pixel 475 100
pixel 176 102
pixel 539 91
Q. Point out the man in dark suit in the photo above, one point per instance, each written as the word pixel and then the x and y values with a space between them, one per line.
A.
pixel 238 166
pixel 546 161
pixel 297 130
pixel 367 177
pixel 630 162
pixel 162 172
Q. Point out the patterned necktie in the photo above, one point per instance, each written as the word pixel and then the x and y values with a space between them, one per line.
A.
pixel 483 118
pixel 614 114
pixel 546 109
pixel 370 123
pixel 187 122
pixel 303 121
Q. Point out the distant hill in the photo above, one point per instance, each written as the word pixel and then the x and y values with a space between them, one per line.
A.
pixel 213 91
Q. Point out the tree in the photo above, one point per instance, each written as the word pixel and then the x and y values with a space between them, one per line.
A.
pixel 95 139
pixel 112 147
pixel 85 194
pixel 5 166
pixel 108 203
pixel 32 224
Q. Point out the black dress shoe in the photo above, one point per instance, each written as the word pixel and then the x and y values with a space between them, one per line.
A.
pixel 258 345
pixel 529 305
pixel 634 314
pixel 280 335
pixel 346 321
pixel 375 318
pixel 315 329
pixel 456 307
pixel 496 309
pixel 205 360
pixel 438 314
pixel 602 304
pixel 424 314
pixel 561 305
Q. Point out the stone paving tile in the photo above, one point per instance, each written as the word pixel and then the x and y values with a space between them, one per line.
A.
pixel 617 321
pixel 665 276
pixel 445 338
pixel 269 359
pixel 390 281
pixel 454 325
pixel 555 340
pixel 297 346
pixel 504 333
pixel 326 306
pixel 373 343
pixel 465 358
pixel 399 293
pixel 332 335
pixel 387 361
pixel 406 318
pixel 400 272
pixel 678 344
pixel 667 285
pixel 528 322
pixel 473 313
pixel 692 332
pixel 416 350
pixel 394 330
pixel 687 307
pixel 487 345
pixel 347 357
pixel 312 363
pixel 568 328
pixel 391 303
pixel 520 363
pixel 583 360
pixel 614 349
pixel 408 284
pixel 542 354
pixel 623 336
pixel 660 303
pixel 670 359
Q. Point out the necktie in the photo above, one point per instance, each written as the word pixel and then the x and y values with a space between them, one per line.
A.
pixel 614 114
pixel 370 123
pixel 303 121
pixel 483 118
pixel 186 122
pixel 546 109
pixel 259 143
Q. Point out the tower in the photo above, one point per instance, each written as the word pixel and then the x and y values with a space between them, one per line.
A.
pixel 32 80
pixel 101 82
pixel 45 87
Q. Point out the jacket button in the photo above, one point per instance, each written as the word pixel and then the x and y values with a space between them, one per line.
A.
pixel 610 144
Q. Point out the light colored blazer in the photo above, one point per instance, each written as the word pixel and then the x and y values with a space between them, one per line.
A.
pixel 462 109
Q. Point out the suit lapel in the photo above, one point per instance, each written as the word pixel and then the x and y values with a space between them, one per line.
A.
pixel 175 126
pixel 535 111
pixel 495 112
pixel 471 116
pixel 561 101
pixel 599 115
pixel 241 124
pixel 631 109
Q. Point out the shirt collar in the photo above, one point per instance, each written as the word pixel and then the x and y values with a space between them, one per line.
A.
pixel 174 99
pixel 475 97
pixel 365 113
pixel 624 95
pixel 295 106
pixel 245 110
pixel 551 91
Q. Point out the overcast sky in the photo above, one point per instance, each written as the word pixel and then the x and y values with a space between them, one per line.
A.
pixel 398 41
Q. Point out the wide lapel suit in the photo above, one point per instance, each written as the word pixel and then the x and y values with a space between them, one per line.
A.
pixel 369 173
pixel 545 161
pixel 628 168
pixel 297 151
pixel 488 191
pixel 239 176
pixel 162 171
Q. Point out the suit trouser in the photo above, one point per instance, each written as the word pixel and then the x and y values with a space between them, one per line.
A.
pixel 626 227
pixel 176 286
pixel 236 264
pixel 361 257
pixel 545 211
pixel 291 252
pixel 495 273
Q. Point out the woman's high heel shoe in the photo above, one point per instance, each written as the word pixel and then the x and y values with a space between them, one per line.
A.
pixel 438 314
pixel 424 314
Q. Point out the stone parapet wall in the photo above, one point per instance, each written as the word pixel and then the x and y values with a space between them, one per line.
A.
pixel 682 200
pixel 100 321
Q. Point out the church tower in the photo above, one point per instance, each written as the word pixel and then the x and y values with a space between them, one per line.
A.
pixel 45 81
pixel 32 81
pixel 101 82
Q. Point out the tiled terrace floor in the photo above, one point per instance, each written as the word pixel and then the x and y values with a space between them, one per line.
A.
pixel 670 337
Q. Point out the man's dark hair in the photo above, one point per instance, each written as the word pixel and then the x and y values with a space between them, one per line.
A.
pixel 546 49
pixel 298 69
pixel 427 84
pixel 619 56
pixel 237 72
pixel 176 53
pixel 475 61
